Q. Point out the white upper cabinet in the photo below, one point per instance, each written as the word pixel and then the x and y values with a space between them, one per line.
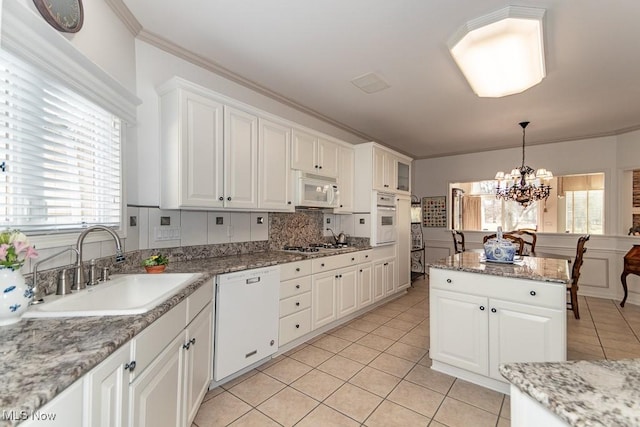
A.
pixel 384 170
pixel 314 154
pixel 274 159
pixel 192 150
pixel 345 179
pixel 240 159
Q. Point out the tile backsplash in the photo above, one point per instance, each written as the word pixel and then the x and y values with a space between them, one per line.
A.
pixel 189 235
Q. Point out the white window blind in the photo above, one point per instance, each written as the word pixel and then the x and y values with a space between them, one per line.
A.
pixel 60 166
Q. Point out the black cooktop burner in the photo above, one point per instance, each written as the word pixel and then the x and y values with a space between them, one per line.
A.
pixel 313 247
pixel 300 248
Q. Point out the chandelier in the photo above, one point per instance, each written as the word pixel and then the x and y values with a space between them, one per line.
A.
pixel 524 184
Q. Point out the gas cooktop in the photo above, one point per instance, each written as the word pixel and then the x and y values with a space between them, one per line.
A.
pixel 314 247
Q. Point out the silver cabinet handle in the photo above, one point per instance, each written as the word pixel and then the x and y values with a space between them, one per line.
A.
pixel 532 293
pixel 482 308
pixel 130 366
pixel 493 310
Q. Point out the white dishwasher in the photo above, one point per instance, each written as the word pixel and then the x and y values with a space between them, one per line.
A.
pixel 246 327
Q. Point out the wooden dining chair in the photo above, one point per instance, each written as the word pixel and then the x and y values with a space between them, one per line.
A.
pixel 575 276
pixel 458 241
pixel 517 241
pixel 529 237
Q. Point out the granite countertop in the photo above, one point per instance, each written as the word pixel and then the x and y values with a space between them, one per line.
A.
pixel 583 393
pixel 42 357
pixel 528 267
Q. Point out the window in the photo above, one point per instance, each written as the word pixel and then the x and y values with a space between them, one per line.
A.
pixel 59 154
pixel 576 205
pixel 584 210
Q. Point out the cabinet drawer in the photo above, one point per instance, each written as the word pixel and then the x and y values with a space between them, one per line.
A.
pixel 293 287
pixel 543 294
pixel 294 326
pixel 319 265
pixel 199 299
pixel 386 251
pixel 150 342
pixel 292 270
pixel 365 256
pixel 294 304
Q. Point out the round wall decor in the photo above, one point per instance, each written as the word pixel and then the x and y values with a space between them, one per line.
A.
pixel 63 15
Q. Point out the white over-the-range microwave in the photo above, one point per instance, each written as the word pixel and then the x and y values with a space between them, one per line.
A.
pixel 316 191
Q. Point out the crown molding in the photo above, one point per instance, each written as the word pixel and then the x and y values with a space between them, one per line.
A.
pixel 189 56
pixel 124 14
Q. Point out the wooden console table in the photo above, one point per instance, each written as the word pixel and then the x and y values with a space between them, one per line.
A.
pixel 631 266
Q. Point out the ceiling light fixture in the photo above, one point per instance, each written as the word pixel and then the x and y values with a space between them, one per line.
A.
pixel 524 185
pixel 501 53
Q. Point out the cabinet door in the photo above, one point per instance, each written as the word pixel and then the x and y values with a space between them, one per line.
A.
pixel 198 362
pixel 390 171
pixel 390 277
pixel 328 158
pixel 524 333
pixel 380 178
pixel 323 299
pixel 347 289
pixel 365 285
pixel 404 242
pixel 240 159
pixel 379 271
pixel 107 391
pixel 304 152
pixel 274 147
pixel 201 152
pixel 459 330
pixel 346 180
pixel 403 176
pixel 156 395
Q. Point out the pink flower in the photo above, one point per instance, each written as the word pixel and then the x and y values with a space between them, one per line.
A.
pixel 31 253
pixel 20 246
pixel 3 250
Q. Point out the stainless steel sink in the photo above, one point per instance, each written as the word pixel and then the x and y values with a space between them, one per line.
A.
pixel 122 295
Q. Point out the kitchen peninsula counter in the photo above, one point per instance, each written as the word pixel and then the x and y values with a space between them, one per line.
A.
pixel 580 393
pixel 39 358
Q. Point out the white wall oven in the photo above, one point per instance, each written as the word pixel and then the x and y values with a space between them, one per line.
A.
pixel 385 217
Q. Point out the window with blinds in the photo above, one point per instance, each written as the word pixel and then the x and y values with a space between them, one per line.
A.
pixel 60 154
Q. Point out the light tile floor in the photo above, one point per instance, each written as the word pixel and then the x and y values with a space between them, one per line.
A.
pixel 374 371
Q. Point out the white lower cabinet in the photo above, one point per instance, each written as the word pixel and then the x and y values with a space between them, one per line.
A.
pixel 295 301
pixel 106 400
pixel 384 278
pixel 479 321
pixel 347 291
pixel 323 299
pixel 62 411
pixel 365 285
pixel 173 386
pixel 160 377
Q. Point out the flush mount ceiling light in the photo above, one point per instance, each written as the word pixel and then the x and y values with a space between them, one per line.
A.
pixel 501 53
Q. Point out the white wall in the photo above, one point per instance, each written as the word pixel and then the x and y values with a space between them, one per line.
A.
pixel 612 155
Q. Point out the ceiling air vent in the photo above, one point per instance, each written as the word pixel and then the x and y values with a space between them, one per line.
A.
pixel 370 83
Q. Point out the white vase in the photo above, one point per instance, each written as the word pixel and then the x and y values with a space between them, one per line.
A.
pixel 15 295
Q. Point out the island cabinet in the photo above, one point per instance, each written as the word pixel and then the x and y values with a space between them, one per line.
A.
pixel 479 321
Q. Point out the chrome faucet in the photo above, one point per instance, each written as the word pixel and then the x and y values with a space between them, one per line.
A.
pixel 37 292
pixel 79 279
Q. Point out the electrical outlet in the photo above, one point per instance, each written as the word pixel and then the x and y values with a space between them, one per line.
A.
pixel 133 221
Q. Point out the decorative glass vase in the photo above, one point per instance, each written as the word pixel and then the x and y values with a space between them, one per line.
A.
pixel 15 295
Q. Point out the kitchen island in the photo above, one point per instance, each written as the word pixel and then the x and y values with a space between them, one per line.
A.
pixel 483 314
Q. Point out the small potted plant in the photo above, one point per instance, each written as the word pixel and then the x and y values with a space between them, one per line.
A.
pixel 155 263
